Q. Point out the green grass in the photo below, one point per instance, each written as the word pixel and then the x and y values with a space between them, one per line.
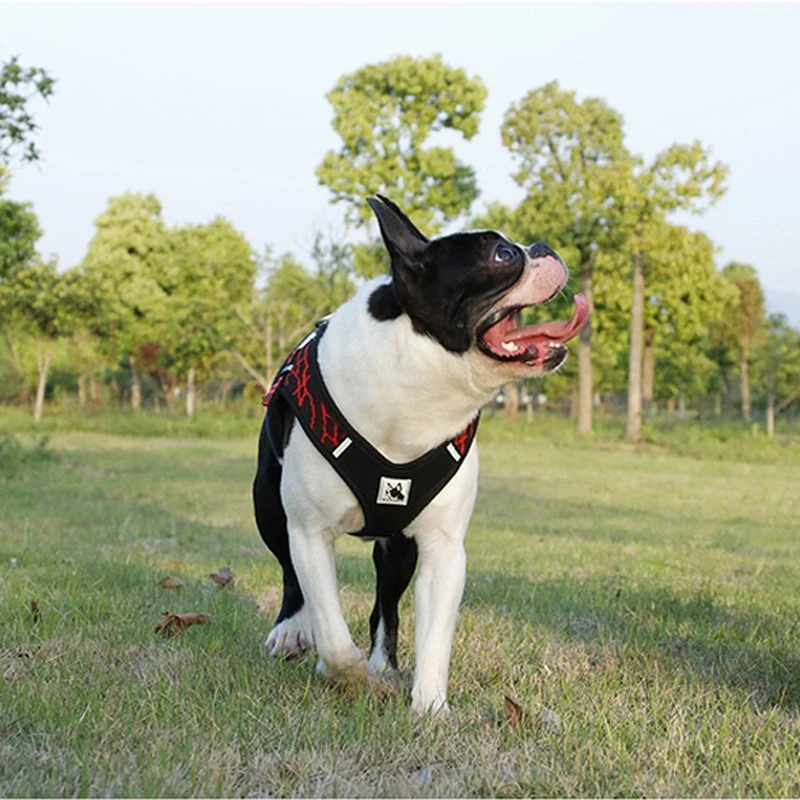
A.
pixel 642 607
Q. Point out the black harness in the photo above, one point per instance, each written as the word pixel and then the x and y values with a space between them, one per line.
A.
pixel 391 495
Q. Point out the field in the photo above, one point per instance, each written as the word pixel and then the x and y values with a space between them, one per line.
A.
pixel 640 607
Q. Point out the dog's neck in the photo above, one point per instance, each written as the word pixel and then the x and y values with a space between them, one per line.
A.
pixel 400 390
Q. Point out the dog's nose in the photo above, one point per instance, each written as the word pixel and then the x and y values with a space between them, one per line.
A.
pixel 541 250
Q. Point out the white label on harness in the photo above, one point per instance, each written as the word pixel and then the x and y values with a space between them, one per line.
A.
pixel 394 491
pixel 342 447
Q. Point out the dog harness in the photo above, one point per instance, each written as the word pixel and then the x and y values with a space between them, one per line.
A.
pixel 391 495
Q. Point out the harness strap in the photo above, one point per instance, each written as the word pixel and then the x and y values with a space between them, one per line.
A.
pixel 391 495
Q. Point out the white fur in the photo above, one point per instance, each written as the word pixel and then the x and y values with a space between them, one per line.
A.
pixel 378 663
pixel 405 394
pixel 290 637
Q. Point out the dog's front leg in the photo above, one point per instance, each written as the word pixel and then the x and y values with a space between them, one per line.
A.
pixel 437 595
pixel 313 560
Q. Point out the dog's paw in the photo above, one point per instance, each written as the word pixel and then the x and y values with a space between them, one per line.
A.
pixel 347 667
pixel 379 666
pixel 290 637
pixel 425 704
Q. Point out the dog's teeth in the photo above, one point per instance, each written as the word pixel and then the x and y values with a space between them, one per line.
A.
pixel 510 347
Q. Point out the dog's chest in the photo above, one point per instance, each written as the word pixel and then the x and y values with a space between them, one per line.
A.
pixel 390 495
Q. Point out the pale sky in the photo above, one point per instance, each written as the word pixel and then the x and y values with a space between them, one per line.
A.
pixel 220 109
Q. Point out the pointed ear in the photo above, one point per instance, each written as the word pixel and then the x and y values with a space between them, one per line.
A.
pixel 401 237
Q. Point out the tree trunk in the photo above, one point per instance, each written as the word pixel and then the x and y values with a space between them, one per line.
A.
pixel 136 384
pixel 648 370
pixel 190 393
pixel 770 411
pixel 745 372
pixel 43 364
pixel 635 356
pixel 573 406
pixel 511 394
pixel 585 361
pixel 681 405
pixel 717 405
pixel 81 391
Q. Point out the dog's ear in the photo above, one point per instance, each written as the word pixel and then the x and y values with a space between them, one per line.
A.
pixel 403 240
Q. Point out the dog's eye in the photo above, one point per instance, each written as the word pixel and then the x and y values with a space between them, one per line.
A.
pixel 504 254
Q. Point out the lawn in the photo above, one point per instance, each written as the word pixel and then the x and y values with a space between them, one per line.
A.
pixel 641 608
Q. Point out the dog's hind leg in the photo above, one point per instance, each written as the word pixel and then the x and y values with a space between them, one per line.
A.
pixel 291 633
pixel 395 559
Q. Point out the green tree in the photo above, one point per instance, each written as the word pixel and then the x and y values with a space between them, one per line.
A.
pixel 286 302
pixel 386 114
pixel 569 154
pixel 684 295
pixel 682 177
pixel 47 305
pixel 208 272
pixel 125 262
pixel 18 86
pixel 777 366
pixel 19 231
pixel 742 323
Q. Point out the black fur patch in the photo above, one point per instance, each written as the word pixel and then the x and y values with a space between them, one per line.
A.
pixel 383 304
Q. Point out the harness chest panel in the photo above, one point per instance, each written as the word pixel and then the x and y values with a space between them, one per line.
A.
pixel 390 495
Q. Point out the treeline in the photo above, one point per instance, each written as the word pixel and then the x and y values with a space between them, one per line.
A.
pixel 156 313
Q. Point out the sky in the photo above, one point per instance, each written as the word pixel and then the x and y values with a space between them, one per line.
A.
pixel 221 109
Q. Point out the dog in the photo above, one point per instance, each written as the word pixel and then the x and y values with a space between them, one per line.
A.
pixel 406 364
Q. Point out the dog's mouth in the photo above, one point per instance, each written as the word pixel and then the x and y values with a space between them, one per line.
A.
pixel 542 345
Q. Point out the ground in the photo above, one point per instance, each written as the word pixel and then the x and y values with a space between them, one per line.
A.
pixel 641 608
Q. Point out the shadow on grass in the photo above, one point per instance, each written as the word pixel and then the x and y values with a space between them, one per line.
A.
pixel 748 650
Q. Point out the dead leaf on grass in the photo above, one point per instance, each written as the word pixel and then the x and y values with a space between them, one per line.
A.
pixel 222 578
pixel 172 624
pixel 514 713
pixel 170 583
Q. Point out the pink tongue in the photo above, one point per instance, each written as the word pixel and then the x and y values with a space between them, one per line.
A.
pixel 550 332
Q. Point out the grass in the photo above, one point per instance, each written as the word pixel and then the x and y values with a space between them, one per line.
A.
pixel 640 606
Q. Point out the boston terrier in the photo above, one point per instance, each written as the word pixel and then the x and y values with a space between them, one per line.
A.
pixel 368 431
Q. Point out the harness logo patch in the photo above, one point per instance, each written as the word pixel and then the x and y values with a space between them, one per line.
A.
pixel 394 491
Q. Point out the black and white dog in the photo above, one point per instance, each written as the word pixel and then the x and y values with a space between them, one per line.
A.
pixel 409 361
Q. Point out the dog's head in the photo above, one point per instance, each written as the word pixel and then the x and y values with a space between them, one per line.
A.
pixel 466 289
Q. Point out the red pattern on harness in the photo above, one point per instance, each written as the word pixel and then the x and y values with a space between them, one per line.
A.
pixel 462 440
pixel 296 376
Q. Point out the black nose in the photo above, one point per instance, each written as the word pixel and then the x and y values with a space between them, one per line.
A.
pixel 540 250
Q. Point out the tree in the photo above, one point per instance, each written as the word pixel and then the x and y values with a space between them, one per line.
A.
pixel 39 300
pixel 682 177
pixel 685 294
pixel 743 321
pixel 19 231
pixel 777 366
pixel 18 86
pixel 385 115
pixel 125 263
pixel 569 155
pixel 208 272
pixel 288 301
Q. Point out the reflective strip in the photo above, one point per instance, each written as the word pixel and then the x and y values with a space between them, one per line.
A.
pixel 312 335
pixel 342 447
pixel 451 448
